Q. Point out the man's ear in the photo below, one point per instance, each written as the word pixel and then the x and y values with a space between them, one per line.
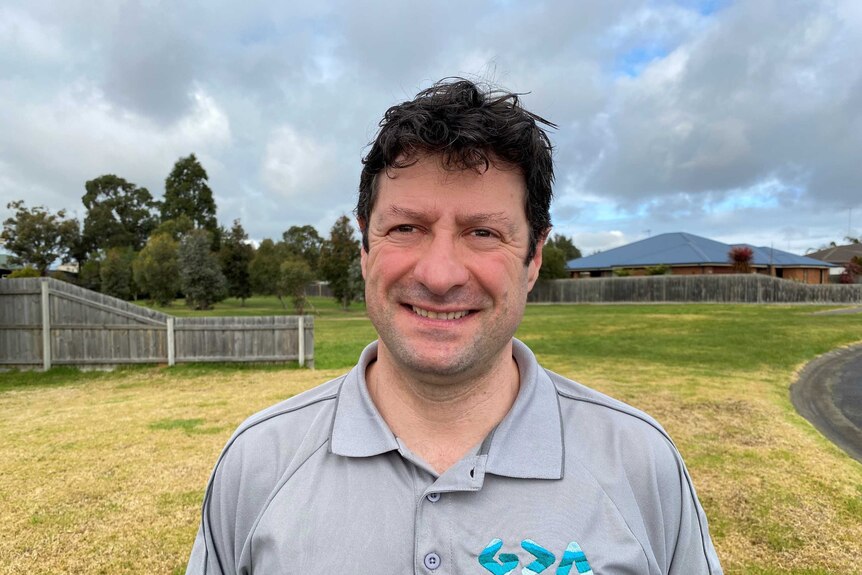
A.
pixel 535 263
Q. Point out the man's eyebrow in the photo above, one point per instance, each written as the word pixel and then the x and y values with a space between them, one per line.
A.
pixel 400 211
pixel 498 218
pixel 475 219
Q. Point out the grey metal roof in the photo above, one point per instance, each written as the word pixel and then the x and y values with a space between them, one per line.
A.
pixel 838 254
pixel 680 248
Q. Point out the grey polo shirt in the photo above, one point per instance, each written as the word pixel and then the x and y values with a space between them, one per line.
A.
pixel 570 482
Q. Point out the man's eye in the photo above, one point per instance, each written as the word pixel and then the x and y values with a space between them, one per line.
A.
pixel 482 233
pixel 404 229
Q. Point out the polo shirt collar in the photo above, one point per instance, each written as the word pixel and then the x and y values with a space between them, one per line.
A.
pixel 358 429
pixel 528 442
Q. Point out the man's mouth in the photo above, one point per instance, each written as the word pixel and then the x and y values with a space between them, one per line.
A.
pixel 447 315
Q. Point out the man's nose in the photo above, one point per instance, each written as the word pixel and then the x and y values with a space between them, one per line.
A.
pixel 440 267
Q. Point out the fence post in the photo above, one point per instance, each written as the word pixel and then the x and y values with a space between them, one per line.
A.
pixel 46 325
pixel 300 326
pixel 172 360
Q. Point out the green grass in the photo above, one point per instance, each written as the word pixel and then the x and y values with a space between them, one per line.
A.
pixel 104 472
pixel 320 307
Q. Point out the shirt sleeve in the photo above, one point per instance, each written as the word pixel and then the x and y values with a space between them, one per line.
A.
pixel 198 564
pixel 693 552
pixel 220 535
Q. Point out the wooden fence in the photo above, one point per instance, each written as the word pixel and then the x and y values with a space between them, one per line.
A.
pixel 725 288
pixel 47 322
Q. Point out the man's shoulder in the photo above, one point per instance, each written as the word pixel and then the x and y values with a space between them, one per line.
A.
pixel 594 404
pixel 287 416
pixel 278 437
pixel 312 400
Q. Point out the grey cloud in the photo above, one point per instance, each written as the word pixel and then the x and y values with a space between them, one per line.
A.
pixel 763 92
pixel 756 92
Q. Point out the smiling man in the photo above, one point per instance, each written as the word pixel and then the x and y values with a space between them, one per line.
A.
pixel 448 449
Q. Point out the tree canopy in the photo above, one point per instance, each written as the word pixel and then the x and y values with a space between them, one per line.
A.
pixel 337 256
pixel 265 269
pixel 119 214
pixel 156 269
pixel 187 192
pixel 116 273
pixel 553 263
pixel 565 245
pixel 38 237
pixel 304 242
pixel 201 279
pixel 235 256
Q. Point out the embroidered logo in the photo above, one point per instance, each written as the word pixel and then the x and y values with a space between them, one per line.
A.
pixel 573 556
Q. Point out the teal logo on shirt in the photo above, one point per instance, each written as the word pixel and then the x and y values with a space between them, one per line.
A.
pixel 573 556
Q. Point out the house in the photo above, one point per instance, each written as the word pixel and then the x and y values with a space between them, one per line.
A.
pixel 839 256
pixel 687 254
pixel 6 266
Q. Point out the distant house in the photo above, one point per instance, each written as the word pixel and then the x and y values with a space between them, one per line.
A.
pixel 688 254
pixel 838 256
pixel 6 266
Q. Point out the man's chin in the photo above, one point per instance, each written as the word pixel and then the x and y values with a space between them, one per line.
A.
pixel 447 361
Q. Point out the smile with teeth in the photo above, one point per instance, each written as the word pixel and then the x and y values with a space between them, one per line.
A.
pixel 440 315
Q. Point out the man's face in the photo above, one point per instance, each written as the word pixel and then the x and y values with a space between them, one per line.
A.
pixel 445 279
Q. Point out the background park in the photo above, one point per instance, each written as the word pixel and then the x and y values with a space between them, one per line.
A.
pixel 738 120
pixel 104 472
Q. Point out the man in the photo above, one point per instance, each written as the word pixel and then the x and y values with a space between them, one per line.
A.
pixel 448 449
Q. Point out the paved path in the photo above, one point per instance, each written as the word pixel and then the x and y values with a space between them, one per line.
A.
pixel 828 393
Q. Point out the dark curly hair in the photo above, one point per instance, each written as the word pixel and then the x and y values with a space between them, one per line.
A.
pixel 470 127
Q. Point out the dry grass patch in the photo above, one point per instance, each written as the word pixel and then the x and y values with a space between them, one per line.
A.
pixel 105 473
pixel 780 498
pixel 108 476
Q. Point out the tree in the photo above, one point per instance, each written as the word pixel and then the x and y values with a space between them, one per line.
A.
pixel 553 263
pixel 90 275
pixel 37 237
pixel 740 258
pixel 156 269
pixel 336 256
pixel 235 257
pixel 304 242
pixel 294 277
pixel 852 271
pixel 119 214
pixel 116 273
pixel 175 228
pixel 201 279
pixel 187 193
pixel 565 245
pixel 265 269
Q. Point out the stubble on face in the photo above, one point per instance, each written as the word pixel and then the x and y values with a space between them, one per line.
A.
pixel 442 211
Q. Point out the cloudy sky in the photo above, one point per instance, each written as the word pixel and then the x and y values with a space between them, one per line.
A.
pixel 736 120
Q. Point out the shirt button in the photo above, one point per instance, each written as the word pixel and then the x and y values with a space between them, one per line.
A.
pixel 433 497
pixel 432 561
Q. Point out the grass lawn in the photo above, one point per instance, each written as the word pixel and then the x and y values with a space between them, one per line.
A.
pixel 104 472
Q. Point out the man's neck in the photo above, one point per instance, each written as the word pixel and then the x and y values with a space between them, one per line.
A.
pixel 442 419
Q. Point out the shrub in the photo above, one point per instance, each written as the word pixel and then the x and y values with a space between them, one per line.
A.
pixel 658 270
pixel 25 272
pixel 740 258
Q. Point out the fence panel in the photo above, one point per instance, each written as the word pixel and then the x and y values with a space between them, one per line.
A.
pixel 725 288
pixel 89 328
pixel 271 338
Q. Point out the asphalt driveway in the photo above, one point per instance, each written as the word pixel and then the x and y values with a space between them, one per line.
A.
pixel 828 393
